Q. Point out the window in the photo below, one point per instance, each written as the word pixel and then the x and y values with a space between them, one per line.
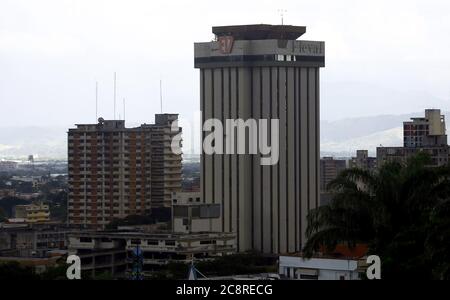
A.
pixel 135 242
pixel 209 242
pixel 310 277
pixel 310 274
pixel 180 211
pixel 210 211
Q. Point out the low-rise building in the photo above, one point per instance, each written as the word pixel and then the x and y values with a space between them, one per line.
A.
pixel 439 154
pixel 39 264
pixel 6 166
pixel 363 161
pixel 7 193
pixel 343 263
pixel 32 240
pixel 192 237
pixel 33 213
pixel 190 215
pixel 112 251
pixel 296 267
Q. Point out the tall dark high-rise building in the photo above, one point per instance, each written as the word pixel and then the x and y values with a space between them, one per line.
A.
pixel 330 168
pixel 263 72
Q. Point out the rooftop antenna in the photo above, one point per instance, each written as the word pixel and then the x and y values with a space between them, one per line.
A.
pixel 124 108
pixel 115 95
pixel 160 95
pixel 96 101
pixel 281 12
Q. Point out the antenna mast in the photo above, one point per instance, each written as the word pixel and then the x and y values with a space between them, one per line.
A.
pixel 96 101
pixel 124 108
pixel 160 95
pixel 115 95
pixel 281 12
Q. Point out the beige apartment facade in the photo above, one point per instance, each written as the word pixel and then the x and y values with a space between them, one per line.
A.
pixel 116 171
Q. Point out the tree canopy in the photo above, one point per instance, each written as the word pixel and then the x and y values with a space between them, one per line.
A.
pixel 402 212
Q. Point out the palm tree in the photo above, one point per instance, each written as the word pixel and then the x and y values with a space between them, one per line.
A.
pixel 399 211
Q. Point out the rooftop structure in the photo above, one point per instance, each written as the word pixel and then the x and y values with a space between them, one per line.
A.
pixel 260 32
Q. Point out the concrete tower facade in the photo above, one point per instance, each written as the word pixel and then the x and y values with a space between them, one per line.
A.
pixel 263 72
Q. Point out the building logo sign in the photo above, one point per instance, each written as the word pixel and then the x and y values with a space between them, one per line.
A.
pixel 226 44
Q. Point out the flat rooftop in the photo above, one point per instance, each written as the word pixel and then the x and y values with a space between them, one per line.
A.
pixel 260 32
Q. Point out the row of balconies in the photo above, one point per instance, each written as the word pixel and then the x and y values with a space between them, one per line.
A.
pixel 88 169
pixel 107 164
pixel 137 193
pixel 100 212
pixel 115 146
pixel 106 205
pixel 100 188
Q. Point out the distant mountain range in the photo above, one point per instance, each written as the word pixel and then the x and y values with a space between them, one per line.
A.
pixel 338 138
pixel 342 100
pixel 42 142
pixel 344 137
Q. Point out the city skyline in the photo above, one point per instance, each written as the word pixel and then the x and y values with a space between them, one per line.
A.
pixel 256 91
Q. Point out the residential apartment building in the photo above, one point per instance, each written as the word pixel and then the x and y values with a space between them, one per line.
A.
pixel 427 134
pixel 262 72
pixel 116 171
pixel 425 131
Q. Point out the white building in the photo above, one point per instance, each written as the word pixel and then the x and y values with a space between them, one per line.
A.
pixel 296 267
pixel 190 215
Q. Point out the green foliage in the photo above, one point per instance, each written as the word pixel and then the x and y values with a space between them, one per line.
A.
pixel 104 276
pixel 2 215
pixel 58 205
pixel 402 212
pixel 14 271
pixel 55 273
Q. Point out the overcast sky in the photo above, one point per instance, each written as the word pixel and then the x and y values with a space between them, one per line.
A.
pixel 53 51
